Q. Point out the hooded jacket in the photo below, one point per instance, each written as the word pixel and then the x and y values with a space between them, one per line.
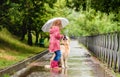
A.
pixel 55 36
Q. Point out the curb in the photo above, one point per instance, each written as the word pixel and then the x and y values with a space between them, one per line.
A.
pixel 16 67
pixel 107 70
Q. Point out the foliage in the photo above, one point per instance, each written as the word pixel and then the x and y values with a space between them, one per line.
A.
pixel 15 19
pixel 106 5
pixel 99 5
pixel 76 4
pixel 87 17
pixel 4 6
pixel 91 23
pixel 46 42
pixel 91 17
pixel 23 17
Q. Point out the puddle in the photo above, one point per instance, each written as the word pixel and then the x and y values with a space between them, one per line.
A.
pixel 32 70
pixel 77 68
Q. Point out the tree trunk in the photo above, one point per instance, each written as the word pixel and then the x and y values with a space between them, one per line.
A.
pixel 29 37
pixel 24 31
pixel 29 27
pixel 37 36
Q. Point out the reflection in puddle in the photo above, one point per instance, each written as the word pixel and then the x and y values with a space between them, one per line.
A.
pixel 38 71
pixel 33 71
pixel 58 73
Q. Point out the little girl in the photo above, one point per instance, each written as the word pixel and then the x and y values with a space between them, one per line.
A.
pixel 54 45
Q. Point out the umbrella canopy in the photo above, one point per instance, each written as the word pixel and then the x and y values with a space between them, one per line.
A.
pixel 49 23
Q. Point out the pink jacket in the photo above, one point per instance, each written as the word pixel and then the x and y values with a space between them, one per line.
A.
pixel 55 37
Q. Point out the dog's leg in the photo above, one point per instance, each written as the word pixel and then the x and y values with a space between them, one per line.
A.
pixel 65 61
pixel 62 62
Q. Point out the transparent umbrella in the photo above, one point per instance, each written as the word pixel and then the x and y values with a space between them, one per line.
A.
pixel 48 24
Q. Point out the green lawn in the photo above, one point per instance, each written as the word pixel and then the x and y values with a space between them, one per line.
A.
pixel 13 50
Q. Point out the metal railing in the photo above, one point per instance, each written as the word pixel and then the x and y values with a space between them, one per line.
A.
pixel 106 47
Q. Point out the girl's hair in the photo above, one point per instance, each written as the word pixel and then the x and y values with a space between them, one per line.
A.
pixel 57 23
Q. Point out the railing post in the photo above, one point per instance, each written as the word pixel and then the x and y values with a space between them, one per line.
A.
pixel 115 51
pixel 118 52
pixel 111 49
pixel 108 50
pixel 106 46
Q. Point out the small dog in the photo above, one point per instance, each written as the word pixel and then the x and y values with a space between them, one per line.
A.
pixel 65 50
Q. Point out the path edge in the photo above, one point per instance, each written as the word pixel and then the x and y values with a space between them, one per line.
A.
pixel 22 64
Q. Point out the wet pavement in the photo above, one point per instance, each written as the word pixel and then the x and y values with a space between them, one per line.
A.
pixel 80 62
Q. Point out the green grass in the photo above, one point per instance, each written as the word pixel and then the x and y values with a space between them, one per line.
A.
pixel 13 50
pixel 117 75
pixel 6 75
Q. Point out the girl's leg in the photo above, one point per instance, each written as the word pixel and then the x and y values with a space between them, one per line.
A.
pixel 53 56
pixel 57 55
pixel 54 62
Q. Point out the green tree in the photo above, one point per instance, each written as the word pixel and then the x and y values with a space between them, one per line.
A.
pixel 27 16
pixel 77 4
pixel 4 6
pixel 106 5
pixel 99 5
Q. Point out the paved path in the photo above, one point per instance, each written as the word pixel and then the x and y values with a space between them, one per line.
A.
pixel 80 63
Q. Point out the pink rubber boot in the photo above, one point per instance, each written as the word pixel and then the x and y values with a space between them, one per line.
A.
pixel 54 64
